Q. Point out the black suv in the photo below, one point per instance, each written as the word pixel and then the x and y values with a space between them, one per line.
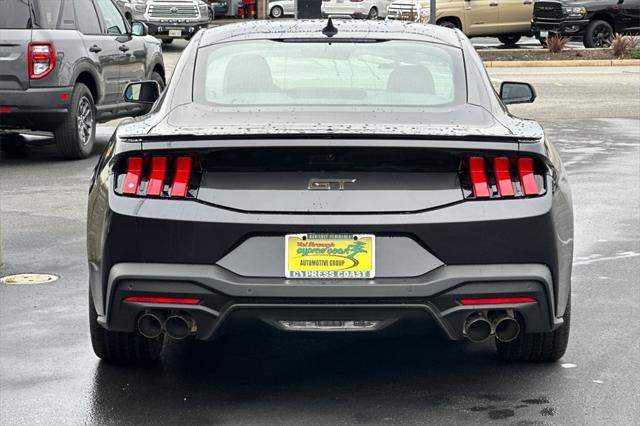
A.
pixel 64 65
pixel 594 21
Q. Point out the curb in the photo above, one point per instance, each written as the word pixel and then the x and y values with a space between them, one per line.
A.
pixel 564 63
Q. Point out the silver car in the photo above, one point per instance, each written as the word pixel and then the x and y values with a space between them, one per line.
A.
pixel 280 8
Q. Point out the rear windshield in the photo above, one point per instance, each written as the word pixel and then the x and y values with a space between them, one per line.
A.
pixel 393 73
pixel 46 14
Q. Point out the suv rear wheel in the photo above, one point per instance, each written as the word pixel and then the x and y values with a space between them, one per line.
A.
pixel 509 40
pixel 118 347
pixel 76 136
pixel 538 347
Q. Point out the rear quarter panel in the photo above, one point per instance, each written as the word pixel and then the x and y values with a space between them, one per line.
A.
pixel 70 53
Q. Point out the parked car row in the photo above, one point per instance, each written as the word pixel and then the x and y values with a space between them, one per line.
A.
pixel 594 21
pixel 65 64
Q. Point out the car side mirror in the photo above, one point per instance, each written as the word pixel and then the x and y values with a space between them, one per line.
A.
pixel 142 92
pixel 512 92
pixel 139 28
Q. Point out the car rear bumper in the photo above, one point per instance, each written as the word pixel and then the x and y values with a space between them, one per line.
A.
pixel 34 109
pixel 432 298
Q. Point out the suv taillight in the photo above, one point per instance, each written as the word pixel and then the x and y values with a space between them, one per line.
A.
pixel 502 177
pixel 41 59
pixel 159 176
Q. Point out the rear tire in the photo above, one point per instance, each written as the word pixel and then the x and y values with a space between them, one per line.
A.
pixel 509 40
pixel 538 347
pixel 373 14
pixel 447 23
pixel 76 135
pixel 121 348
pixel 277 12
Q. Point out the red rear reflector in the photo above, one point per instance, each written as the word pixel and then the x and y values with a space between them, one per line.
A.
pixel 498 301
pixel 64 97
pixel 182 177
pixel 132 179
pixel 5 109
pixel 527 179
pixel 478 177
pixel 173 300
pixel 156 179
pixel 503 176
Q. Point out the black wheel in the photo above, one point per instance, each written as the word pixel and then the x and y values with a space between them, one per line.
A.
pixel 167 40
pixel 121 348
pixel 373 13
pixel 277 12
pixel 598 34
pixel 447 23
pixel 129 19
pixel 509 40
pixel 538 347
pixel 76 136
pixel 155 76
pixel 212 15
pixel 543 41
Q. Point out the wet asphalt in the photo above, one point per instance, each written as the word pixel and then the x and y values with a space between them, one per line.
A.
pixel 49 375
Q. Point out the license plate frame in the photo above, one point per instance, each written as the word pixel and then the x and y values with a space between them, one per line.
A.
pixel 330 256
pixel 175 32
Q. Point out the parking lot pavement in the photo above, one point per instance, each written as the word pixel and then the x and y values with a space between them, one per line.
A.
pixel 49 375
pixel 523 43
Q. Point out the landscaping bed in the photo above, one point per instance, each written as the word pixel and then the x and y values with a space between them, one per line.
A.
pixel 545 55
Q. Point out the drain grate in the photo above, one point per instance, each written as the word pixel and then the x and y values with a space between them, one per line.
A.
pixel 26 279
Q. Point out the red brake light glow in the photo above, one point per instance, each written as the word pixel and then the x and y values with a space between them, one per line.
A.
pixel 478 177
pixel 182 177
pixel 503 176
pixel 41 59
pixel 158 171
pixel 134 172
pixel 497 301
pixel 165 300
pixel 527 179
pixel 4 110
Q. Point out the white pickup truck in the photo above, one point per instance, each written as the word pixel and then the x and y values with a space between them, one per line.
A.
pixel 171 19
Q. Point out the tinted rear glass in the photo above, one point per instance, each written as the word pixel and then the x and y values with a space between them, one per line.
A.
pixel 48 14
pixel 14 14
pixel 393 73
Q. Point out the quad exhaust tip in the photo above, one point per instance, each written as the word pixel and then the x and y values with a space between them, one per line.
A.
pixel 480 325
pixel 150 325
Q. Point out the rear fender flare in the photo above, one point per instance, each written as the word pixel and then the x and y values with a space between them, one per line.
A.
pixel 89 68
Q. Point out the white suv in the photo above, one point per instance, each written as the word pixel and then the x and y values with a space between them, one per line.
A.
pixel 365 9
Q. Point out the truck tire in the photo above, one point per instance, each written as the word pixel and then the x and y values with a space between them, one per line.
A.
pixel 598 34
pixel 373 14
pixel 76 136
pixel 538 347
pixel 121 348
pixel 448 23
pixel 509 40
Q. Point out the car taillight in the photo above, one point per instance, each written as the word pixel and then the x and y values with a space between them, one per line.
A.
pixel 158 176
pixel 41 59
pixel 501 177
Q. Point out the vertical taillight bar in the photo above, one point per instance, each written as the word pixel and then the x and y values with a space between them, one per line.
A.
pixel 502 171
pixel 527 178
pixel 156 178
pixel 132 178
pixel 478 177
pixel 41 59
pixel 182 177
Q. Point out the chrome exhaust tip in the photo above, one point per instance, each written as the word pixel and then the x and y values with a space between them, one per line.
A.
pixel 506 328
pixel 477 327
pixel 178 327
pixel 150 325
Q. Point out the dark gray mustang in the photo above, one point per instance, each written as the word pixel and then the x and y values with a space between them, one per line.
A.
pixel 330 176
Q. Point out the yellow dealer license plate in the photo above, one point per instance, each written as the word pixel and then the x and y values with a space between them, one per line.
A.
pixel 330 256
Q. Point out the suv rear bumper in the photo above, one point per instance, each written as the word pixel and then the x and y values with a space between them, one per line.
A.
pixel 35 109
pixel 432 297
